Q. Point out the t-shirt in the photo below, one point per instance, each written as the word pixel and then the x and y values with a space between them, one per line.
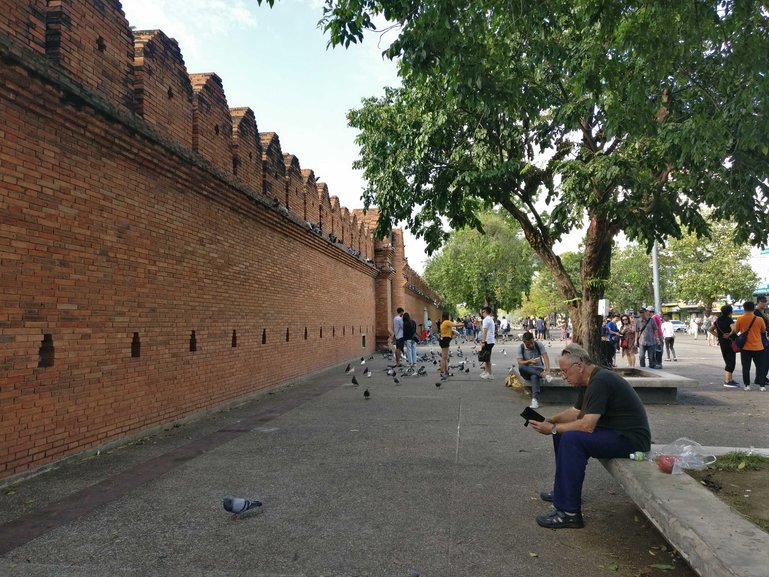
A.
pixel 447 329
pixel 667 330
pixel 723 326
pixel 535 352
pixel 398 326
pixel 753 342
pixel 488 324
pixel 620 407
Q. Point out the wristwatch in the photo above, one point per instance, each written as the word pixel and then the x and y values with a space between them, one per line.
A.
pixel 555 429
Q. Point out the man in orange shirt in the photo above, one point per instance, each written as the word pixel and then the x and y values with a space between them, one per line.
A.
pixel 754 348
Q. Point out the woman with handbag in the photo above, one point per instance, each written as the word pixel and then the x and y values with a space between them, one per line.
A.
pixel 628 340
pixel 749 328
pixel 723 328
pixel 447 333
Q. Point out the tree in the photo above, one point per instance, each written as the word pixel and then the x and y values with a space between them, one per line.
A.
pixel 484 269
pixel 628 116
pixel 630 284
pixel 707 269
pixel 544 299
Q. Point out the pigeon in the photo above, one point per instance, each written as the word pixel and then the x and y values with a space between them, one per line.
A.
pixel 368 372
pixel 354 381
pixel 435 362
pixel 371 358
pixel 422 371
pixel 504 352
pixel 238 506
pixel 438 385
pixel 366 395
pixel 397 381
pixel 349 370
pixel 362 361
pixel 467 370
pixel 390 372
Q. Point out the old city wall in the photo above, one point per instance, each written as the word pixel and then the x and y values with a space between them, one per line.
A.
pixel 158 255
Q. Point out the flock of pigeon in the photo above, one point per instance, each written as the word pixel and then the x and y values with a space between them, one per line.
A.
pixel 397 372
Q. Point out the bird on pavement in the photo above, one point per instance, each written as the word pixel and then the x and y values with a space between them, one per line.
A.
pixel 349 370
pixel 354 381
pixel 422 371
pixel 366 395
pixel 362 361
pixel 368 372
pixel 438 384
pixel 238 506
pixel 397 381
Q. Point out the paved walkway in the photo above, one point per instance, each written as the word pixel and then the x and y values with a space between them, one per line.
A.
pixel 415 480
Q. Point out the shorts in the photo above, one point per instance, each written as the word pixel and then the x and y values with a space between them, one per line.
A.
pixel 488 347
pixel 399 344
pixel 445 342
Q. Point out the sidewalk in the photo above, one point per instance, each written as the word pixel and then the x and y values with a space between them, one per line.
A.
pixel 438 482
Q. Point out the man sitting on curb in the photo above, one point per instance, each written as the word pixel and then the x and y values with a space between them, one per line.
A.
pixel 533 364
pixel 608 420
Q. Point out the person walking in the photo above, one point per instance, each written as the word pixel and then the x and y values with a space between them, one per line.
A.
pixel 723 329
pixel 669 334
pixel 753 351
pixel 608 420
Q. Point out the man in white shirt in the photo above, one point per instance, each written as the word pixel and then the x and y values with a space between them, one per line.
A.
pixel 504 326
pixel 669 334
pixel 488 338
pixel 398 335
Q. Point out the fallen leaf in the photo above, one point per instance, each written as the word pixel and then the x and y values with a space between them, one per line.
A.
pixel 741 466
pixel 10 492
pixel 28 501
pixel 663 567
pixel 652 553
pixel 613 567
pixel 532 554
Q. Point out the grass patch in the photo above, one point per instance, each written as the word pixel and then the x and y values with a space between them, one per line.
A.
pixel 739 461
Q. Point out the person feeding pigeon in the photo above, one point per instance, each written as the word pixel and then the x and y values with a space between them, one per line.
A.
pixel 447 333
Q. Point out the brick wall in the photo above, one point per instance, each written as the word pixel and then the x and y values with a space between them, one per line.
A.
pixel 146 274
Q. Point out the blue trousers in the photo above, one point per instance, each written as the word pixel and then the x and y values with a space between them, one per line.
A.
pixel 644 350
pixel 572 451
pixel 532 373
pixel 411 351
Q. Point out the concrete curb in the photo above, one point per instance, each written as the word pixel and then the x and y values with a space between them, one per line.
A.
pixel 684 512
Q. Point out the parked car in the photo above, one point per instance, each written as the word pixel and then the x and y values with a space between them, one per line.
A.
pixel 679 326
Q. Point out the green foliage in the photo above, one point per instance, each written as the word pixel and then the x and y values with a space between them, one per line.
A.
pixel 477 269
pixel 628 116
pixel 544 298
pixel 739 461
pixel 706 269
pixel 631 278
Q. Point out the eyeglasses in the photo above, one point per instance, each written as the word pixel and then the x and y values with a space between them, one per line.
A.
pixel 567 369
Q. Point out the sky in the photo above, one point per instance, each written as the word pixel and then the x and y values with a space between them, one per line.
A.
pixel 275 61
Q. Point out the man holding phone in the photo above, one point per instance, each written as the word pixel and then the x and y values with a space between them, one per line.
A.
pixel 607 420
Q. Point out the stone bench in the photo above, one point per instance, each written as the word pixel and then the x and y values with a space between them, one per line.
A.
pixel 714 540
pixel 652 385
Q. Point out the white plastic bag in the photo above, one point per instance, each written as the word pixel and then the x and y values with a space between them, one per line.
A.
pixel 687 454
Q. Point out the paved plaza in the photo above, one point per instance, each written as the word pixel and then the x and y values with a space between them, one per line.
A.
pixel 415 480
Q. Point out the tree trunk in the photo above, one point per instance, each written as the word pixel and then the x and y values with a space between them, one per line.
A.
pixel 594 275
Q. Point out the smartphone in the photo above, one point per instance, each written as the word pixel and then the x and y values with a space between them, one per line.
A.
pixel 530 414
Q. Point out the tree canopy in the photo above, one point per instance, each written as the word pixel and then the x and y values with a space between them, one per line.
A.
pixel 708 269
pixel 494 267
pixel 629 116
